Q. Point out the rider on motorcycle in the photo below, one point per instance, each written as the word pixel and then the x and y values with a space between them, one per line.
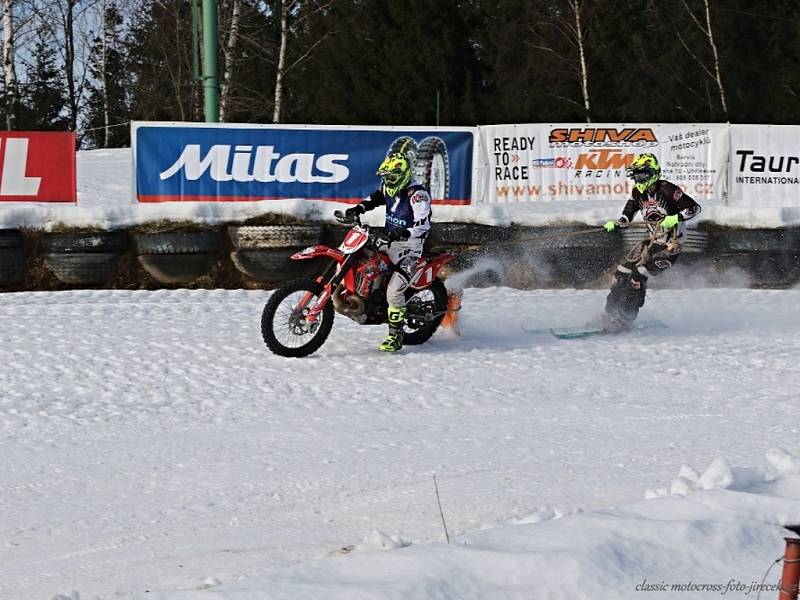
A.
pixel 408 221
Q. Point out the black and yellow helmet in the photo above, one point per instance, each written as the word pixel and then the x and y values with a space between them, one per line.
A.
pixel 395 170
pixel 644 171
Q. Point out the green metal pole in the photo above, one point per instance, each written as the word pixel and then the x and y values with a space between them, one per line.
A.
pixel 210 78
pixel 437 108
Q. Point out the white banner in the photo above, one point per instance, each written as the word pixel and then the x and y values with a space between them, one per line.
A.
pixel 765 166
pixel 582 163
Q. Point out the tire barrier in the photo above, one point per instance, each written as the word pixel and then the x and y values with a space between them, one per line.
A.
pixel 770 257
pixel 263 252
pixel 84 258
pixel 256 237
pixel 259 256
pixel 178 257
pixel 573 256
pixel 12 257
pixel 274 265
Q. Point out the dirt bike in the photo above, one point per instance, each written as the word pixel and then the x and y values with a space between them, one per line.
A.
pixel 299 315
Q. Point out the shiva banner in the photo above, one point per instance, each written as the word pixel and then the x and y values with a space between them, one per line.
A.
pixel 209 162
pixel 545 163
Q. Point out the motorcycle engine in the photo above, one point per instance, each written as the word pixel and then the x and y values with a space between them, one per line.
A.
pixel 369 275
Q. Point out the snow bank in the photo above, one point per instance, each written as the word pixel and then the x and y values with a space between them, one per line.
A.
pixel 716 534
pixel 105 200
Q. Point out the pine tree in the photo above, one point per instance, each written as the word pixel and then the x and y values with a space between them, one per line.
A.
pixel 43 104
pixel 107 110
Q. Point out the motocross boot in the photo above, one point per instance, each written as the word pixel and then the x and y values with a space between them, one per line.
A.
pixel 394 341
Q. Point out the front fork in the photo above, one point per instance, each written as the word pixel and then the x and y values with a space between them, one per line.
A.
pixel 339 270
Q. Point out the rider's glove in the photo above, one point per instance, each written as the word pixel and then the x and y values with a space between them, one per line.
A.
pixel 354 211
pixel 610 226
pixel 397 235
pixel 669 221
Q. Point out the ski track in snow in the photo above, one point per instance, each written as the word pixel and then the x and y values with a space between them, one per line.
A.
pixel 150 440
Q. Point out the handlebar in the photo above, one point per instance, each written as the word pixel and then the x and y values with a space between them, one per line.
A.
pixel 347 219
pixel 377 238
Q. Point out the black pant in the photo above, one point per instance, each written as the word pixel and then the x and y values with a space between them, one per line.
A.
pixel 629 284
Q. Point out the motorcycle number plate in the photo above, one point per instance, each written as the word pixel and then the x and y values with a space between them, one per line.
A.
pixel 354 240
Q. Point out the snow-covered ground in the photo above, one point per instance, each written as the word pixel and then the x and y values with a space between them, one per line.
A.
pixel 105 200
pixel 152 447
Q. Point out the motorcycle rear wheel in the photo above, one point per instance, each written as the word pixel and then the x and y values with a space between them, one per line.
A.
pixel 435 297
pixel 284 327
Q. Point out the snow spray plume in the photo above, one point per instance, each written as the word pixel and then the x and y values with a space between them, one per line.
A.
pixel 702 273
pixel 478 270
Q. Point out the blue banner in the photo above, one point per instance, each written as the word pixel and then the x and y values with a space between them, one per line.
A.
pixel 194 163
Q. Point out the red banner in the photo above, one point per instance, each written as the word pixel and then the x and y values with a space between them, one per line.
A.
pixel 37 166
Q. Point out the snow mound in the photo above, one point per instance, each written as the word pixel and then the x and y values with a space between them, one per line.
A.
pixel 717 533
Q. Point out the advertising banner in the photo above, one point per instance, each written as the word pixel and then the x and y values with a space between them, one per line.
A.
pixel 765 166
pixel 582 163
pixel 37 166
pixel 224 162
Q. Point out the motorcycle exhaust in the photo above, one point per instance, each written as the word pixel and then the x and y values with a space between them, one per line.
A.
pixel 352 306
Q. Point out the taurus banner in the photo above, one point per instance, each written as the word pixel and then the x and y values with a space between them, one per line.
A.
pixel 765 166
pixel 223 162
pixel 37 166
pixel 585 163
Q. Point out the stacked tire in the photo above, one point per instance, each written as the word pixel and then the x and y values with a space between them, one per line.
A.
pixel 12 257
pixel 479 262
pixel 263 252
pixel 178 257
pixel 568 255
pixel 769 257
pixel 84 259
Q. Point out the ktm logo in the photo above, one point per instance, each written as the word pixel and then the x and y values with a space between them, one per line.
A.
pixel 604 159
pixel 603 136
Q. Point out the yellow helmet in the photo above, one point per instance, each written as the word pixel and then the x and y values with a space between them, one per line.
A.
pixel 644 171
pixel 395 170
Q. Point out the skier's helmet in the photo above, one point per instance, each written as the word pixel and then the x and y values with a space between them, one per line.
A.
pixel 644 171
pixel 395 170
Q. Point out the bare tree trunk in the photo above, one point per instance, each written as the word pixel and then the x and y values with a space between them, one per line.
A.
pixel 711 41
pixel 576 9
pixel 103 75
pixel 230 47
pixel 276 115
pixel 8 64
pixel 713 44
pixel 69 64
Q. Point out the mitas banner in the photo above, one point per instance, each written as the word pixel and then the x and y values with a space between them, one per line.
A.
pixel 765 166
pixel 37 166
pixel 582 163
pixel 226 162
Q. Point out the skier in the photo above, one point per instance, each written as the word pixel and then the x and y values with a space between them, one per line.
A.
pixel 664 208
pixel 408 221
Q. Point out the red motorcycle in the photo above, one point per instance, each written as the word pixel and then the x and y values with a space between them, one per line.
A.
pixel 298 316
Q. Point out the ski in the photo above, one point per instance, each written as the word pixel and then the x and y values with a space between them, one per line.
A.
pixel 572 333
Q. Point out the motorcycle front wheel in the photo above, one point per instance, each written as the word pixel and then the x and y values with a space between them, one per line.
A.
pixel 283 323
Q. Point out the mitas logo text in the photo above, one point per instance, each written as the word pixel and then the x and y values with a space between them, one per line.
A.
pixel 258 163
pixel 603 136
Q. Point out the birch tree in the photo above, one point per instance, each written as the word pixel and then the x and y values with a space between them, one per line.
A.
pixel 565 36
pixel 228 52
pixel 706 29
pixel 281 68
pixel 297 12
pixel 9 70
